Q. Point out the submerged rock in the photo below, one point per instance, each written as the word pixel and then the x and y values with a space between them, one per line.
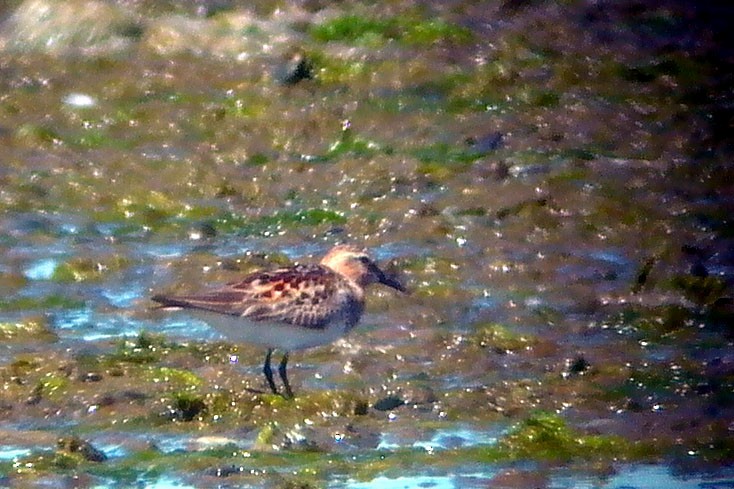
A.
pixel 224 470
pixel 185 407
pixel 388 403
pixel 75 445
pixel 27 329
pixel 486 143
pixel 578 365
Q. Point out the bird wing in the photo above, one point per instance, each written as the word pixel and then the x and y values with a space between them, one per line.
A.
pixel 305 295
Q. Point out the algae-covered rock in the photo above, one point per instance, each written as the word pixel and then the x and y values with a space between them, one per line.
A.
pixel 546 436
pixel 500 339
pixel 702 291
pixel 82 269
pixel 388 403
pixel 185 406
pixel 173 376
pixel 55 301
pixel 34 328
pixel 76 446
pixel 363 30
pixel 53 385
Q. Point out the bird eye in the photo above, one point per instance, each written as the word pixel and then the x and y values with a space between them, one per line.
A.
pixel 364 259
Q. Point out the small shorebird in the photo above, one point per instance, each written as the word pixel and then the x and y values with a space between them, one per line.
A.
pixel 290 308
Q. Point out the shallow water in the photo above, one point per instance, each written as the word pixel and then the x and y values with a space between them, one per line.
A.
pixel 553 183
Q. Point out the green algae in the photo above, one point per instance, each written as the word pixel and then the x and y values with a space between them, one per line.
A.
pixel 662 322
pixel 147 348
pixel 244 106
pixel 258 159
pixel 446 154
pixel 82 269
pixel 298 483
pixel 152 463
pixel 439 290
pixel 40 303
pixel 537 97
pixel 435 277
pixel 157 213
pixel 688 71
pixel 266 225
pixel 531 90
pixel 657 381
pixel 29 328
pixel 265 436
pixel 546 436
pixel 97 137
pixel 533 209
pixel 491 86
pixel 155 209
pixel 316 404
pixel 366 31
pixel 428 32
pixel 186 406
pixel 355 29
pixel 351 144
pixel 334 71
pixel 22 366
pixel 500 338
pixel 35 134
pixel 667 324
pixel 442 161
pixel 53 386
pixel 702 291
pixel 542 437
pixel 75 447
pixel 174 377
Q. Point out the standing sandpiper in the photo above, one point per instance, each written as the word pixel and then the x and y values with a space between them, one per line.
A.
pixel 290 308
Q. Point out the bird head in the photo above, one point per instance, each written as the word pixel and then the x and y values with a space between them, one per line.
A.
pixel 356 265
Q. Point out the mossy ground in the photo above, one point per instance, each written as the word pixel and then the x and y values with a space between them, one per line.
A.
pixel 551 180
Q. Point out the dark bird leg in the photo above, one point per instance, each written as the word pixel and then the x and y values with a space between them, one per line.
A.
pixel 284 376
pixel 268 372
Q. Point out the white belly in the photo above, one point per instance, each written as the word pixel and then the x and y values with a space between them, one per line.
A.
pixel 270 335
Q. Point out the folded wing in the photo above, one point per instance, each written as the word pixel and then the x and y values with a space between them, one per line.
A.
pixel 305 295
